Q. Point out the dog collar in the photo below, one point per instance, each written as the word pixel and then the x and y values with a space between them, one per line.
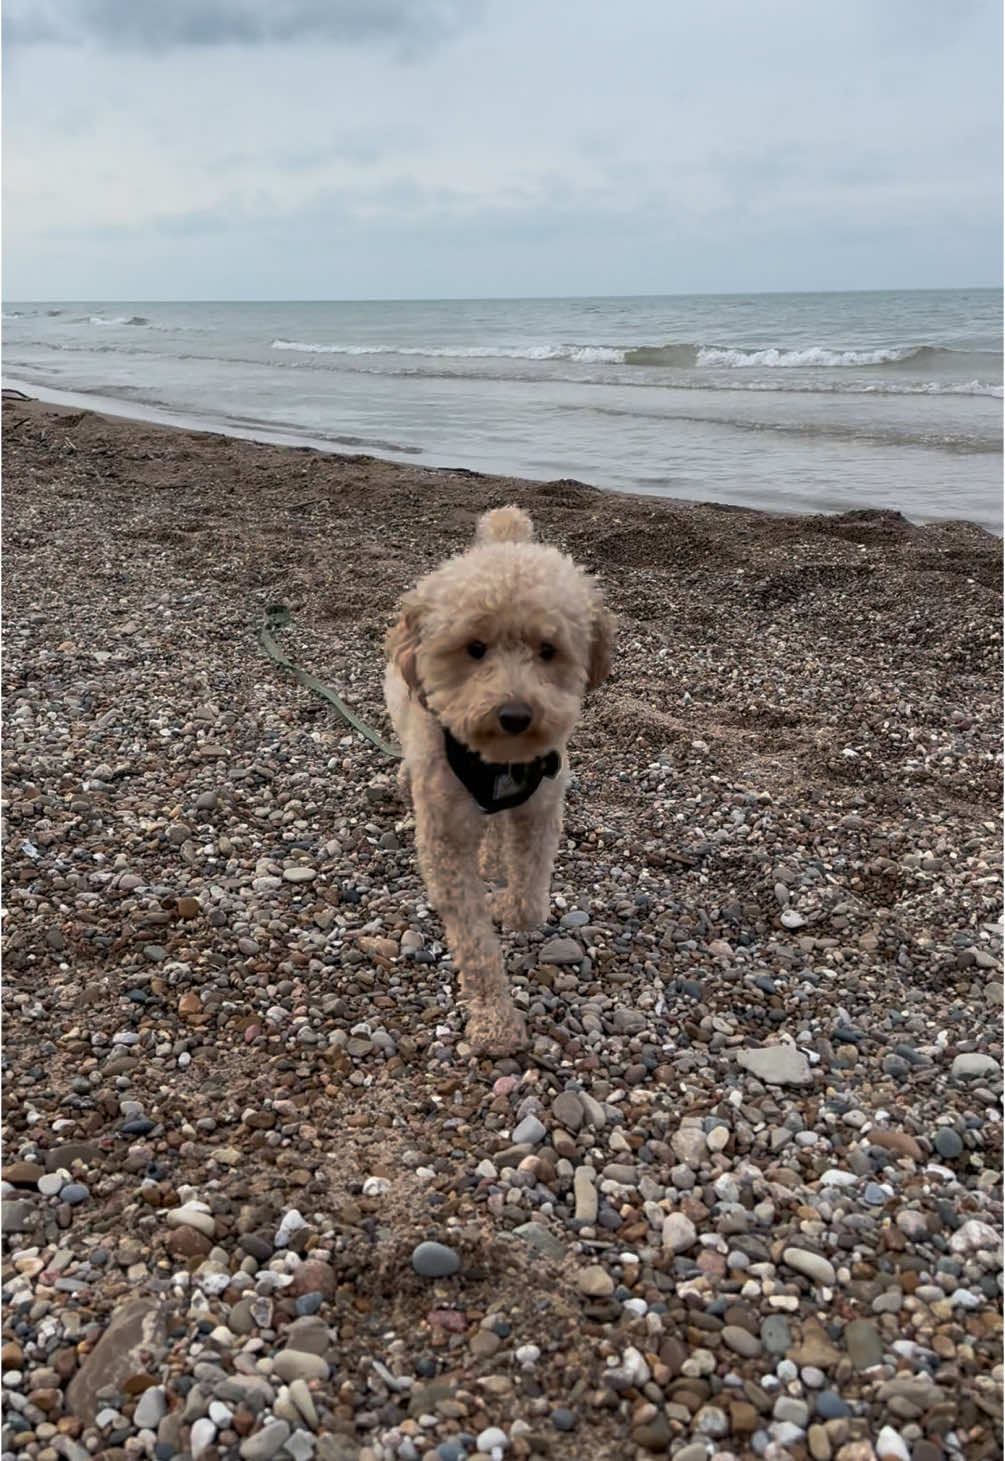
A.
pixel 498 786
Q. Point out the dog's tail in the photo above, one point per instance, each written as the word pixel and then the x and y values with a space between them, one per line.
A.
pixel 504 525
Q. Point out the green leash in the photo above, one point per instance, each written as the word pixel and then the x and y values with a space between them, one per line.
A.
pixel 277 616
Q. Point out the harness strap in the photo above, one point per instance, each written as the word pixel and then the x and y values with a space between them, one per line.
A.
pixel 496 786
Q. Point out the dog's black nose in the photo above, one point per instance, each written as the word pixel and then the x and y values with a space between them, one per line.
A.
pixel 515 717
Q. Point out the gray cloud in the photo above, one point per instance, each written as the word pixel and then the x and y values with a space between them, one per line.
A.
pixel 409 26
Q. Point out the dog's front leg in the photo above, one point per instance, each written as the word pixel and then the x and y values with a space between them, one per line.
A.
pixel 531 838
pixel 447 835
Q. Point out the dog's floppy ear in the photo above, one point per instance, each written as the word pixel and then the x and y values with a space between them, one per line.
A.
pixel 602 631
pixel 402 640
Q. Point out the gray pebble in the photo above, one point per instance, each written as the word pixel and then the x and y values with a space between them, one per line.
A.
pixel 948 1143
pixel 435 1260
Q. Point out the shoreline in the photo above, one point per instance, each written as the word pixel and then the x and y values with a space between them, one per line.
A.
pixel 766 1059
pixel 122 409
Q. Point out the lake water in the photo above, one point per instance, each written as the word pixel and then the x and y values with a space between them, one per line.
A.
pixel 790 402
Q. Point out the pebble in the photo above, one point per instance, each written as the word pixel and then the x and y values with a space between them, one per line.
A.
pixel 777 1065
pixel 530 1129
pixel 435 1260
pixel 262 1445
pixel 561 951
pixel 830 1406
pixel 492 1439
pixel 191 1216
pixel 948 1143
pixel 595 1281
pixel 813 1265
pixel 741 1341
pixel 966 1067
pixel 864 1346
pixel 679 1233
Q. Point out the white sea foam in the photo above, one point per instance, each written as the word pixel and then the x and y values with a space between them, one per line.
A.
pixel 588 354
pixel 814 355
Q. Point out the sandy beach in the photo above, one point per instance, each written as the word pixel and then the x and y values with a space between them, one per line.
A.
pixel 743 1191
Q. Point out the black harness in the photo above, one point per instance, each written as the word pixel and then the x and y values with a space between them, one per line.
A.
pixel 498 786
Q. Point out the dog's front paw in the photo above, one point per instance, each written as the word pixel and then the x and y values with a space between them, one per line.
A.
pixel 495 1029
pixel 515 913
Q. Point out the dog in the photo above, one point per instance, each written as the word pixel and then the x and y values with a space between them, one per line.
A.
pixel 487 666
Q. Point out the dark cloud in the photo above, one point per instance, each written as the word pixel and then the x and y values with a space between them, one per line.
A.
pixel 162 25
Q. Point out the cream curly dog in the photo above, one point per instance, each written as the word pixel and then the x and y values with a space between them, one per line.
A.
pixel 488 664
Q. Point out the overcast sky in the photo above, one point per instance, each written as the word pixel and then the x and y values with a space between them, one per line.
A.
pixel 302 149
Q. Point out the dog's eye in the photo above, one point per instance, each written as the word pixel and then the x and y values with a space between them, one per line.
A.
pixel 547 651
pixel 476 649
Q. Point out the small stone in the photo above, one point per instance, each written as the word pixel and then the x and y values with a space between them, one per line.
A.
pixel 22 1174
pixel 74 1193
pixel 777 1065
pixel 563 1420
pixel 435 1260
pixel 948 1143
pixel 711 1420
pixel 541 1239
pixel 891 1446
pixel 595 1282
pixel 561 951
pixel 291 1223
pixel 299 874
pixel 188 908
pixel 567 1110
pixel 530 1129
pixel 740 1340
pixel 201 1436
pixel 966 1067
pixel 312 1276
pixel 679 1233
pixel 830 1406
pixel 304 1402
pixel 775 1334
pixel 192 1217
pixel 864 1346
pixel 263 1444
pixel 812 1265
pixel 298 1364
pixel 16 1217
pixel 794 1411
pixel 186 1242
pixel 690 1145
pixel 586 1196
pixel 492 1439
pixel 150 1408
pixel 819 1443
pixel 973 1236
pixel 654 1435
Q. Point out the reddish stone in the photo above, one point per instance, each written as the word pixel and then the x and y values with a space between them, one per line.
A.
pixel 451 1319
pixel 313 1277
pixel 186 1242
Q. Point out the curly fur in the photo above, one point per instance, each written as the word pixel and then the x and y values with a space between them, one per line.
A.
pixel 511 595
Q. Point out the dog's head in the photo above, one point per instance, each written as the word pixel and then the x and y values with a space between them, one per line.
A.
pixel 503 642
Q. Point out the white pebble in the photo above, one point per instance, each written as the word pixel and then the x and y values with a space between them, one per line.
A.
pixel 492 1439
pixel 891 1446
